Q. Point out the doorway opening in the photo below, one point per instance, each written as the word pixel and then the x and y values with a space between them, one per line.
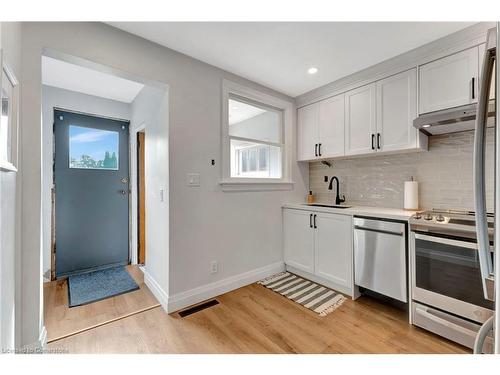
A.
pixel 141 198
pixel 96 173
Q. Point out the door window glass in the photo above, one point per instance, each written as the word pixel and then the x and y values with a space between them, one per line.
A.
pixel 91 148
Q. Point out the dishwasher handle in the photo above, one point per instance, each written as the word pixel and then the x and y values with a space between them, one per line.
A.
pixel 379 230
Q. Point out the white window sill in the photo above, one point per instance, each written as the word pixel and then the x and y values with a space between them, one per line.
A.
pixel 5 166
pixel 256 185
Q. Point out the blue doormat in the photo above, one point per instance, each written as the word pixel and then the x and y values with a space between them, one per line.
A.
pixel 97 285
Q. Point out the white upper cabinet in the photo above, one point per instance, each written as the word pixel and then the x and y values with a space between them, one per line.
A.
pixel 307 119
pixel 360 120
pixel 331 127
pixel 321 129
pixel 449 82
pixel 396 110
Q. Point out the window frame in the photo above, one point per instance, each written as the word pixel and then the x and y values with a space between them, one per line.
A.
pixel 232 90
pixel 10 164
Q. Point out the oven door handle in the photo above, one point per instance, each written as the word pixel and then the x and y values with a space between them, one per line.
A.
pixel 446 241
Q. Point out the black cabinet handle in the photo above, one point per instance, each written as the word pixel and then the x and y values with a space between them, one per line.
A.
pixel 316 149
pixel 473 87
pixel 319 149
pixel 373 140
pixel 310 220
pixel 378 141
pixel 315 221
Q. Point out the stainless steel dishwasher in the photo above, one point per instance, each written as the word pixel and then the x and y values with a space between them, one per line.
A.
pixel 380 257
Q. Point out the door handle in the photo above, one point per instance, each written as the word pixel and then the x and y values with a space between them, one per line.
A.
pixel 123 192
pixel 479 172
pixel 310 220
pixel 316 149
pixel 378 141
pixel 473 89
pixel 315 221
pixel 373 140
pixel 319 149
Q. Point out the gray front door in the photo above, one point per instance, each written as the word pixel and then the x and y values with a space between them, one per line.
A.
pixel 92 192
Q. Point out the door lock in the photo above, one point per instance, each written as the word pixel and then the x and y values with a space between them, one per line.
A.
pixel 124 180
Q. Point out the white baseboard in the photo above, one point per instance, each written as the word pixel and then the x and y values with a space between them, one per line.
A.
pixel 155 288
pixel 190 297
pixel 37 346
pixel 43 337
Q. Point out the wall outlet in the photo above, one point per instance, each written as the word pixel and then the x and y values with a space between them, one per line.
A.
pixel 326 178
pixel 214 267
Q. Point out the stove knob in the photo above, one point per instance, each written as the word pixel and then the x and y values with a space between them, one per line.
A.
pixel 428 217
pixel 417 215
pixel 440 218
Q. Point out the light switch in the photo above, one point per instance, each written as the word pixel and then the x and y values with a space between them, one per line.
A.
pixel 193 179
pixel 162 195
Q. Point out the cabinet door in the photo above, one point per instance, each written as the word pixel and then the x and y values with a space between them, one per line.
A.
pixel 333 248
pixel 449 82
pixel 396 110
pixel 331 126
pixel 298 239
pixel 360 121
pixel 307 120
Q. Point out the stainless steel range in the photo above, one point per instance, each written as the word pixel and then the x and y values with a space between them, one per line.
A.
pixel 446 281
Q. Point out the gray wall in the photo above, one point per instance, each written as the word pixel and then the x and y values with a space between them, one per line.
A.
pixel 10 42
pixel 444 174
pixel 75 101
pixel 241 230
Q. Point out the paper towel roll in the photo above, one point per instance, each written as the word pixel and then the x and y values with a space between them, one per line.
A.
pixel 411 195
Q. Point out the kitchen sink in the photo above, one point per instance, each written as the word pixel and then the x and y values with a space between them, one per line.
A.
pixel 328 205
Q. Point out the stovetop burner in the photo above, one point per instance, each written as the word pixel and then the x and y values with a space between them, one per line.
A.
pixel 447 221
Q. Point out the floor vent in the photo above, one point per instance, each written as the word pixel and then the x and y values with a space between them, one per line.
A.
pixel 197 308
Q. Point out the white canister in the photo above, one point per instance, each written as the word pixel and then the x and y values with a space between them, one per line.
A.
pixel 411 195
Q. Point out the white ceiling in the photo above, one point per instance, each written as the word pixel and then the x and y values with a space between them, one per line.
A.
pixel 73 77
pixel 239 111
pixel 278 54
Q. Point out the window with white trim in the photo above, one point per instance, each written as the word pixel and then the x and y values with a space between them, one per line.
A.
pixel 257 135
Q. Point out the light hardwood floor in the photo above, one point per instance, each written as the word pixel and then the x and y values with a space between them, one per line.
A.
pixel 60 320
pixel 254 319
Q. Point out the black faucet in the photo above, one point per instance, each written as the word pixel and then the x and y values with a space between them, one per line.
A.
pixel 338 200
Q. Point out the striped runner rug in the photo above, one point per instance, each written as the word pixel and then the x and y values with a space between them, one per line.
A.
pixel 313 296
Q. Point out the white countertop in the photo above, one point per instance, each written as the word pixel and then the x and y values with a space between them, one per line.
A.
pixel 381 212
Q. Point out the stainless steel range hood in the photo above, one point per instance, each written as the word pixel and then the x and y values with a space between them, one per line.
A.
pixel 452 120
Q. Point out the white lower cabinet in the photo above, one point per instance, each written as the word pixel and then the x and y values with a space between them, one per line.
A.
pixel 320 245
pixel 333 244
pixel 299 239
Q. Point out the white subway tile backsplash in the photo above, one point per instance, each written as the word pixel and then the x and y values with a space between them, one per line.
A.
pixel 444 174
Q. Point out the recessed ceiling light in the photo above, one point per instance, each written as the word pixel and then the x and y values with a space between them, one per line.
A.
pixel 312 70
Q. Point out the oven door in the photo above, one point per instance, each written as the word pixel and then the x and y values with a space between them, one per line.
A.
pixel 446 275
